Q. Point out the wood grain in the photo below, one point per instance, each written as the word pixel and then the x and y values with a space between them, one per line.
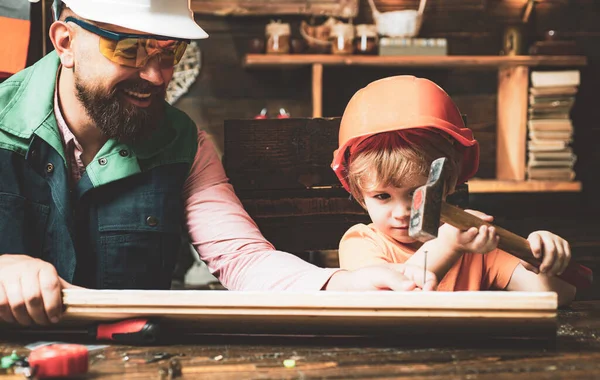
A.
pixel 280 154
pixel 317 302
pixel 507 186
pixel 317 89
pixel 512 123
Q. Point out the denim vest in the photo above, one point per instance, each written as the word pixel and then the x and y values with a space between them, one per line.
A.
pixel 122 225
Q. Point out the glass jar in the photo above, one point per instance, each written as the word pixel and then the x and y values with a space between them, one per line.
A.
pixel 341 38
pixel 278 38
pixel 366 39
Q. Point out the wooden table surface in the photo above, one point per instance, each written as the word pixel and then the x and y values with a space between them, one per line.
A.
pixel 574 354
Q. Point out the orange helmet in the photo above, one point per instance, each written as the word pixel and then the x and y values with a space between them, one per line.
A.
pixel 397 103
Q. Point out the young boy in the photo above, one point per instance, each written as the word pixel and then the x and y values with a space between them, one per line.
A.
pixel 390 133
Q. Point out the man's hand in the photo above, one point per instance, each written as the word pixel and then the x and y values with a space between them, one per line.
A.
pixel 402 277
pixel 554 251
pixel 478 240
pixel 30 290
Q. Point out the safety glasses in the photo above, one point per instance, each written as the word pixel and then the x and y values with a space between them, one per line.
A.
pixel 135 50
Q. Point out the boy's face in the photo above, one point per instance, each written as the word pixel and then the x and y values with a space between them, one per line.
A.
pixel 389 208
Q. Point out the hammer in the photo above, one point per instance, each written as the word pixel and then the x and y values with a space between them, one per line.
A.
pixel 429 208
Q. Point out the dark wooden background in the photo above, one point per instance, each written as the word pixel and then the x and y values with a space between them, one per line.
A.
pixel 225 90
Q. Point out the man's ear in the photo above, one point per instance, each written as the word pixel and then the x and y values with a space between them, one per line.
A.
pixel 62 39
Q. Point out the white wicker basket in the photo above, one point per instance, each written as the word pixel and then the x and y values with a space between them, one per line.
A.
pixel 405 23
pixel 185 74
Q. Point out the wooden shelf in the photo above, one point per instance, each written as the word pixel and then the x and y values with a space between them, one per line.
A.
pixel 272 60
pixel 499 186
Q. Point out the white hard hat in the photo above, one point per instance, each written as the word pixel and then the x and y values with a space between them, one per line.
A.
pixel 169 18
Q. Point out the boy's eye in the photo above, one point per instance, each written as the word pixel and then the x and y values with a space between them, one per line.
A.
pixel 382 197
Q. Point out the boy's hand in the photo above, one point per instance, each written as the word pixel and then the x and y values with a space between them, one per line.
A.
pixel 482 240
pixel 554 251
pixel 424 280
pixel 399 277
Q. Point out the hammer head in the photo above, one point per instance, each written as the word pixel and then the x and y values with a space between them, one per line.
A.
pixel 427 203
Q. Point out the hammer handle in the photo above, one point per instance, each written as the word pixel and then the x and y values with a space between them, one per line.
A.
pixel 577 275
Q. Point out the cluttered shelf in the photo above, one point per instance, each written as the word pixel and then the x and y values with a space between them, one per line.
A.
pixel 273 60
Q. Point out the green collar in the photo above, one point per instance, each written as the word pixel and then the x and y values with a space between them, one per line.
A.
pixel 33 102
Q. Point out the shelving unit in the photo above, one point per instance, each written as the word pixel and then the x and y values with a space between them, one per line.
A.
pixel 513 84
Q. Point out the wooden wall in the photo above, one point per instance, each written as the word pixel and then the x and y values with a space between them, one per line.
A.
pixel 225 90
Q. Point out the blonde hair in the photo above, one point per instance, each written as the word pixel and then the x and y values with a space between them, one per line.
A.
pixel 394 158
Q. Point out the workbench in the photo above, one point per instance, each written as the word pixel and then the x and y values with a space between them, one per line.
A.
pixel 573 354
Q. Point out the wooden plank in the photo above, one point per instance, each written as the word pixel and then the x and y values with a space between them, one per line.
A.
pixel 507 186
pixel 280 154
pixel 302 235
pixel 317 90
pixel 338 8
pixel 512 123
pixel 353 313
pixel 460 61
pixel 315 302
pixel 304 224
pixel 289 207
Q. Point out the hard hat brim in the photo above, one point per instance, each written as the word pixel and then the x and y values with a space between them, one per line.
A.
pixel 470 162
pixel 177 23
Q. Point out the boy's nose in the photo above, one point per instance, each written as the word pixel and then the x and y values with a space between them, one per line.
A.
pixel 401 211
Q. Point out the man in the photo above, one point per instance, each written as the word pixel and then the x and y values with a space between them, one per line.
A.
pixel 100 176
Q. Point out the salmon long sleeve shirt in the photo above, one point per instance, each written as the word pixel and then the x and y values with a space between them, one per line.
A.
pixel 364 245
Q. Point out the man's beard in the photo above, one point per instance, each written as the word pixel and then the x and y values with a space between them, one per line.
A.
pixel 116 117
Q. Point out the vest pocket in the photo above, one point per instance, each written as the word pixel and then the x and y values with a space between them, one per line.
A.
pixel 22 225
pixel 138 260
pixel 139 241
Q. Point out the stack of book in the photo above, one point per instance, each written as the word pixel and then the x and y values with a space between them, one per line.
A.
pixel 551 98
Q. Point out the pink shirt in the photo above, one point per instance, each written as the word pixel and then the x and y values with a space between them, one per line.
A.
pixel 73 149
pixel 224 235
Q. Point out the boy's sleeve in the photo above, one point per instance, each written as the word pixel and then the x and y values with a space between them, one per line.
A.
pixel 498 269
pixel 359 248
